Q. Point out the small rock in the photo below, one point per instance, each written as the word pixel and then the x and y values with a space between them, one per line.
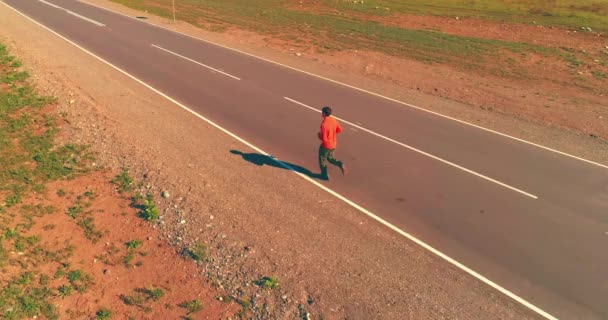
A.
pixel 284 297
pixel 165 194
pixel 72 101
pixel 298 54
pixel 211 217
pixel 183 222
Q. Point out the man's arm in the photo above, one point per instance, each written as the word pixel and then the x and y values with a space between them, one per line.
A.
pixel 338 128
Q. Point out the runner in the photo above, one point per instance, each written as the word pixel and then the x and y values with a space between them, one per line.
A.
pixel 328 135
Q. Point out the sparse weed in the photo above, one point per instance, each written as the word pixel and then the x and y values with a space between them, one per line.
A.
pixel 123 181
pixel 103 314
pixel 191 306
pixel 64 291
pixel 267 282
pixel 197 253
pixel 149 210
pixel 133 244
pixel 74 211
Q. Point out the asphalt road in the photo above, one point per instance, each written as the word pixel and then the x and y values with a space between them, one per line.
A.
pixel 529 219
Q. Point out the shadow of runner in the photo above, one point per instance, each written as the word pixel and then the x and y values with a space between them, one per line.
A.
pixel 261 160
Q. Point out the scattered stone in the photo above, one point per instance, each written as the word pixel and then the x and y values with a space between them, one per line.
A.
pixel 284 297
pixel 183 222
pixel 72 101
pixel 211 217
pixel 165 194
pixel 298 54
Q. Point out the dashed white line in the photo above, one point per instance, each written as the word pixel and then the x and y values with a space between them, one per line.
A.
pixel 73 13
pixel 194 61
pixel 335 194
pixel 422 152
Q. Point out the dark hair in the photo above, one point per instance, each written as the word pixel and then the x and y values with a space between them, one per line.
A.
pixel 326 111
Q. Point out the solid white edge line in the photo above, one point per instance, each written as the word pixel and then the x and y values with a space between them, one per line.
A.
pixel 355 88
pixel 422 152
pixel 347 201
pixel 73 13
pixel 194 61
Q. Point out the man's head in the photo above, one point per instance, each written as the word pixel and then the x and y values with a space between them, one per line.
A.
pixel 326 111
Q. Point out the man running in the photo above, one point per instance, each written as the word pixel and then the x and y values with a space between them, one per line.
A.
pixel 328 135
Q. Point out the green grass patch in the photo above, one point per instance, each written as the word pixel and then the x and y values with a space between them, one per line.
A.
pixel 64 291
pixel 79 280
pixel 267 282
pixel 197 253
pixel 149 211
pixel 123 181
pixel 192 306
pixel 572 14
pixel 141 297
pixel 599 74
pixel 133 244
pixel 103 314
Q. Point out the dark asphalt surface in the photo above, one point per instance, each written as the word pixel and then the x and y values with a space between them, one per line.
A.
pixel 549 251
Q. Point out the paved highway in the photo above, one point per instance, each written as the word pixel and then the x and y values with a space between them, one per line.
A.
pixel 531 220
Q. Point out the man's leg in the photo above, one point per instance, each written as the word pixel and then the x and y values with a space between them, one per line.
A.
pixel 338 163
pixel 323 162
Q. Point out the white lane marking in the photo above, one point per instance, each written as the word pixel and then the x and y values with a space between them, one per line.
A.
pixel 356 88
pixel 422 152
pixel 324 188
pixel 73 13
pixel 52 5
pixel 194 61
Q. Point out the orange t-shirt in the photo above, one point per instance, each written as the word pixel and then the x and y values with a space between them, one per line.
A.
pixel 329 131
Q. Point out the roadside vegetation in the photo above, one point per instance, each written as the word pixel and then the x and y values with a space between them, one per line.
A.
pixel 40 271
